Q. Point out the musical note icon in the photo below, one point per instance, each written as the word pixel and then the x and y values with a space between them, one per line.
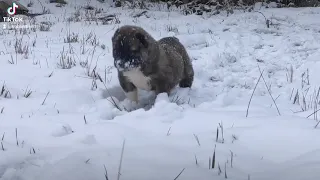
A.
pixel 12 10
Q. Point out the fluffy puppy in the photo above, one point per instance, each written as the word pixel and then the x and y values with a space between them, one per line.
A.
pixel 145 63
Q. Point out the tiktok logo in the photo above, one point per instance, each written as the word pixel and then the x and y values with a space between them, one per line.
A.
pixel 12 10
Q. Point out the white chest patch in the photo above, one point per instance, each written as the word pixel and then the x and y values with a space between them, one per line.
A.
pixel 138 79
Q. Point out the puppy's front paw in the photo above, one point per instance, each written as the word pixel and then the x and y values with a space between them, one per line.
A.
pixel 132 95
pixel 129 105
pixel 131 102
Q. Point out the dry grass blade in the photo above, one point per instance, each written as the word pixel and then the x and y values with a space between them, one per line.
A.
pixel 50 74
pixel 222 134
pixel 219 169
pixel 214 157
pixel 253 93
pixel 113 102
pixel 17 137
pixel 106 172
pixel 7 94
pixel 234 138
pixel 276 99
pixel 87 161
pixel 11 61
pixel 289 74
pixel 197 139
pixel 217 136
pixel 85 119
pixel 231 158
pixel 176 99
pixel 225 171
pixel 313 113
pixel 296 98
pixel 317 124
pixel 179 174
pixel 267 20
pixel 196 159
pixel 120 164
pixel 269 90
pixel 168 132
pixel 291 93
pixel 45 98
pixel 27 93
pixel 139 14
pixel 3 88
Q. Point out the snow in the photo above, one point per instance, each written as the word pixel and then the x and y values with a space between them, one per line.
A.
pixel 68 129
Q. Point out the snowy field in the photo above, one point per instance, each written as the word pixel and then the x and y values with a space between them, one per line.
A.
pixel 57 121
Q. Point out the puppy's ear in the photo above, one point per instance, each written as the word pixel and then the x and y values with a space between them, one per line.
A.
pixel 142 38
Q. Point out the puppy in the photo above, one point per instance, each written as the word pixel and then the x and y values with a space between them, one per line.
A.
pixel 144 63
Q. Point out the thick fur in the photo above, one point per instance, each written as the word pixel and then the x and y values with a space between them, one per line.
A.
pixel 147 64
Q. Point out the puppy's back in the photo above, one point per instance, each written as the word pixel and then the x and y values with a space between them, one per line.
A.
pixel 175 46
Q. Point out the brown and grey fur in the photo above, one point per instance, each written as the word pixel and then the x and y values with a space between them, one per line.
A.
pixel 148 64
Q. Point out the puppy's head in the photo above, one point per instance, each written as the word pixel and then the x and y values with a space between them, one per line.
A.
pixel 130 47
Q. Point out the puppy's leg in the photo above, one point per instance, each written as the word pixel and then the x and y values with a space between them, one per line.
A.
pixel 186 82
pixel 161 86
pixel 129 89
pixel 188 74
pixel 132 95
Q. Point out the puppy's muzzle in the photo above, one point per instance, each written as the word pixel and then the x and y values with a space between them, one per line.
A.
pixel 126 65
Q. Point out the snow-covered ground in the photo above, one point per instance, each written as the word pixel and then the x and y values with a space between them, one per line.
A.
pixel 67 129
